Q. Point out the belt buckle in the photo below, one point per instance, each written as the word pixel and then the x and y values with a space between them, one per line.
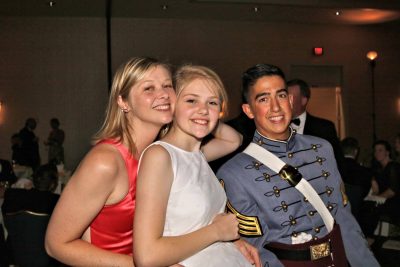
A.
pixel 320 251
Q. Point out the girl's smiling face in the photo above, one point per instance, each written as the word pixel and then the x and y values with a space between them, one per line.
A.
pixel 197 108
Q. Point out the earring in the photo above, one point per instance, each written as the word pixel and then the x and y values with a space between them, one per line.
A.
pixel 124 110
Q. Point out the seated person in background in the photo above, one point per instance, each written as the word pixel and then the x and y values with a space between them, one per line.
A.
pixel 7 176
pixel 20 209
pixel 39 199
pixel 357 178
pixel 385 186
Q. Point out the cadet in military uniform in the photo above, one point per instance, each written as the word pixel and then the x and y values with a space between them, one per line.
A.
pixel 288 228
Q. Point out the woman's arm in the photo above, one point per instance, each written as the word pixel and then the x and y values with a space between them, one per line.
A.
pixel 89 189
pixel 151 248
pixel 226 140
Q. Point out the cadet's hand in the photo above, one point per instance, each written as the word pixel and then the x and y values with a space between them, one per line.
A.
pixel 249 251
pixel 226 226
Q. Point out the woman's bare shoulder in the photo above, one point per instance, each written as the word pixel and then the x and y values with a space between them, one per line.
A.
pixel 103 161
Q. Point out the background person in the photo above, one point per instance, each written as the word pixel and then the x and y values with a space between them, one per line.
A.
pixel 357 178
pixel 29 144
pixel 55 143
pixel 385 186
pixel 305 123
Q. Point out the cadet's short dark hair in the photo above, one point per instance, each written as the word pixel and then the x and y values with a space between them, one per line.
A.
pixel 251 75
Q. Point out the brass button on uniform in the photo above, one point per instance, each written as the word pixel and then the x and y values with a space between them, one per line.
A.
pixel 267 177
pixel 314 147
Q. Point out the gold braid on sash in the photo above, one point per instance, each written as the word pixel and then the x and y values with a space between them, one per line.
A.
pixel 249 226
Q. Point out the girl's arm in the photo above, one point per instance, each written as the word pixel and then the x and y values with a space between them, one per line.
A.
pixel 226 140
pixel 151 248
pixel 86 193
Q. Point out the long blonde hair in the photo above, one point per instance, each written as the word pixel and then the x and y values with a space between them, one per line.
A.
pixel 116 125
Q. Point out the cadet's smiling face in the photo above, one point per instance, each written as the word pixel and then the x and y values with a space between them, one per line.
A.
pixel 270 105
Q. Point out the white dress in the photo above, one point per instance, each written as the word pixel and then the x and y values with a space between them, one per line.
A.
pixel 196 197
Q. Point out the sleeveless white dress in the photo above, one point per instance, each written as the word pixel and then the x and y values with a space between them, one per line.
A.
pixel 196 197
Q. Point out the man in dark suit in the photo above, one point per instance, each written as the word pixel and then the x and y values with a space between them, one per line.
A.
pixel 305 123
pixel 29 144
pixel 357 178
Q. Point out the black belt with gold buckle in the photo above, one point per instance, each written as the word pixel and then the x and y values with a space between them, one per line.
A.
pixel 314 252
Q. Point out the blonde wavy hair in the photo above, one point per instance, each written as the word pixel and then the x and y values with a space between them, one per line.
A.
pixel 116 125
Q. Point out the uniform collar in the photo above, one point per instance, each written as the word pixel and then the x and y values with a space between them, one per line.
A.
pixel 273 145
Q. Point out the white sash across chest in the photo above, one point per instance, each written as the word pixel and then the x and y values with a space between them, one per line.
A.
pixel 303 186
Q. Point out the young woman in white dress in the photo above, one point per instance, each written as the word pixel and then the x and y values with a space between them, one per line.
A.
pixel 180 204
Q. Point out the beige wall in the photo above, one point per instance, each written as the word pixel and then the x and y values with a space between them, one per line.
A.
pixel 57 67
pixel 52 68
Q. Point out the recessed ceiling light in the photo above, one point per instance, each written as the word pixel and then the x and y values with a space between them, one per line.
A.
pixel 337 13
pixel 164 7
pixel 51 3
pixel 256 9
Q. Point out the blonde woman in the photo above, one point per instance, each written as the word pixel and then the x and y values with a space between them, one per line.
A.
pixel 180 204
pixel 92 222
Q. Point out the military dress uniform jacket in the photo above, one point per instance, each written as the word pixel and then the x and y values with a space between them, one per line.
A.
pixel 270 210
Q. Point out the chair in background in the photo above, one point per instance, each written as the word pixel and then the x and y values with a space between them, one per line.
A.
pixel 26 233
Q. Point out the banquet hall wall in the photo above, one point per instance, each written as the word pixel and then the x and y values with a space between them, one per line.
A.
pixel 57 67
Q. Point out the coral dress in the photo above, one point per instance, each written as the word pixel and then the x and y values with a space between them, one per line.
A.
pixel 113 226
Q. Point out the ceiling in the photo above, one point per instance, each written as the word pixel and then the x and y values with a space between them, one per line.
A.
pixel 360 12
